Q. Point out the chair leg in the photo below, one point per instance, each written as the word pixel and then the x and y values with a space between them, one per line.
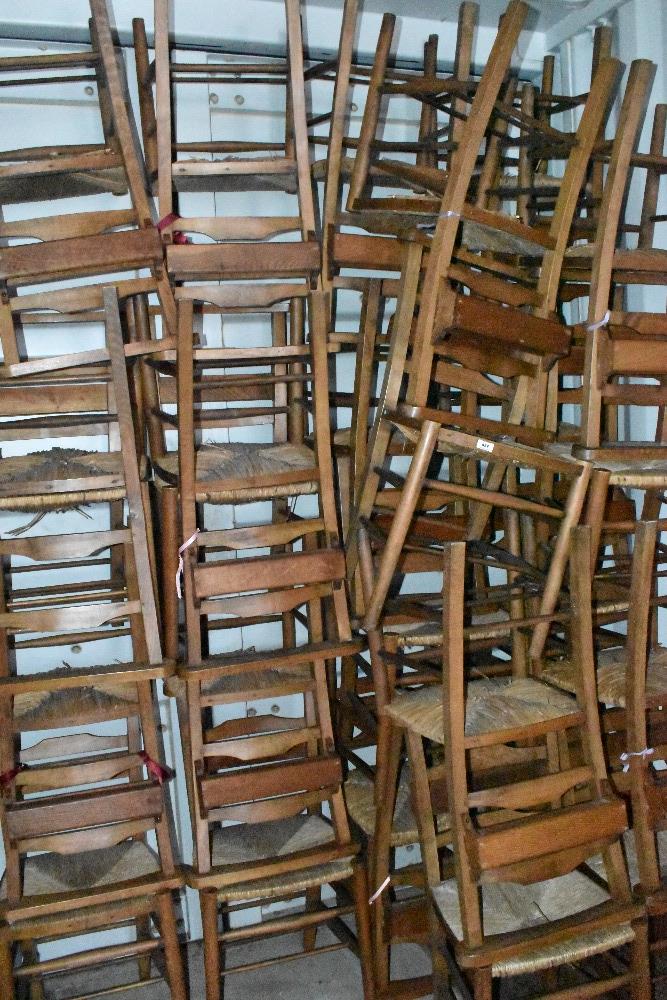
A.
pixel 313 900
pixel 363 920
pixel 441 979
pixel 37 989
pixel 172 948
pixel 7 970
pixel 30 956
pixel 640 962
pixel 143 927
pixel 390 742
pixel 169 564
pixel 209 915
pixel 482 984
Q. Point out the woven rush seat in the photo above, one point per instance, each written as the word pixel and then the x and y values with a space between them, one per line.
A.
pixel 644 473
pixel 63 473
pixel 54 873
pixel 360 800
pixel 56 709
pixel 611 675
pixel 234 683
pixel 241 461
pixel 430 633
pixel 491 705
pixel 477 237
pixel 252 842
pixel 54 185
pixel 508 908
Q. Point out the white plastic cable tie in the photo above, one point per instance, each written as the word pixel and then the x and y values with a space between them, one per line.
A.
pixel 646 752
pixel 179 571
pixel 380 889
pixel 451 214
pixel 600 323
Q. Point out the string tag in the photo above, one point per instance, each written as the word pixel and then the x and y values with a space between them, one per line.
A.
pixel 483 445
pixel 8 778
pixel 600 323
pixel 177 235
pixel 646 752
pixel 380 889
pixel 181 566
pixel 157 771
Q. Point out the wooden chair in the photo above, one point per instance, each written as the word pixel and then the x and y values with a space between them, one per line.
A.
pixel 631 679
pixel 435 142
pixel 509 532
pixel 293 377
pixel 517 903
pixel 264 771
pixel 90 867
pixel 79 244
pixel 254 165
pixel 79 395
pixel 497 302
pixel 611 341
pixel 637 679
pixel 529 173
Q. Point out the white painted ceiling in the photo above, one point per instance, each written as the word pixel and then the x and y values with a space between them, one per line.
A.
pixel 548 12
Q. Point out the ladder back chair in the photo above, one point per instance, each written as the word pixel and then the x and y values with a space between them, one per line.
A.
pixel 263 771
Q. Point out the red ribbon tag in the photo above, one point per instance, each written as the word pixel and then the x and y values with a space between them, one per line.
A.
pixel 177 235
pixel 8 778
pixel 157 771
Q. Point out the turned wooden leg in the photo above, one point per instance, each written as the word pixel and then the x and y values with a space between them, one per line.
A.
pixel 169 564
pixel 363 919
pixel 6 971
pixel 172 948
pixel 209 915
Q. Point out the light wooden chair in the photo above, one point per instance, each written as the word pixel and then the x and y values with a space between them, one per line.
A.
pixel 237 390
pixel 269 773
pixel 78 244
pixel 79 805
pixel 374 164
pixel 517 904
pixel 230 164
pixel 78 395
pixel 497 301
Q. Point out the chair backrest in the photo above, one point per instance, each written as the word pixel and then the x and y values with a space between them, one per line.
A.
pixel 486 235
pixel 268 767
pixel 283 164
pixel 246 591
pixel 607 358
pixel 50 172
pixel 493 487
pixel 436 145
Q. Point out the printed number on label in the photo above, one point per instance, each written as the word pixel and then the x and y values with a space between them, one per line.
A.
pixel 484 445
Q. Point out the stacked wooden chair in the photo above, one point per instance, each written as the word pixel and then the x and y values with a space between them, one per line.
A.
pixel 77 806
pixel 83 788
pixel 96 243
pixel 270 773
pixel 517 904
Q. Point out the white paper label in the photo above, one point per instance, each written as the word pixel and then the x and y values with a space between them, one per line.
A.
pixel 484 445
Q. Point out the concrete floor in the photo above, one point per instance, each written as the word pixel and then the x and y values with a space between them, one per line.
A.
pixel 330 976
